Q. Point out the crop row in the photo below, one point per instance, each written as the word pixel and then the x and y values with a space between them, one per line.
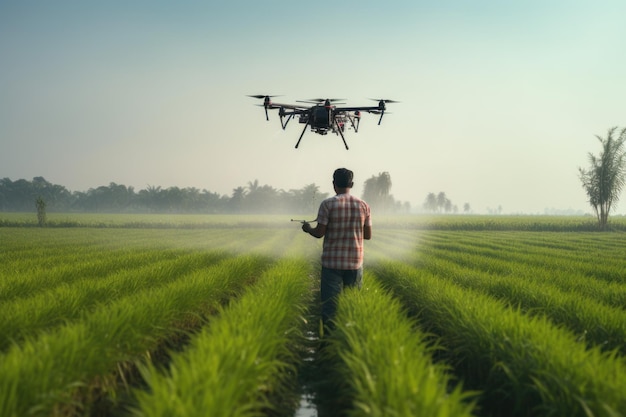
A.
pixel 523 365
pixel 243 363
pixel 81 303
pixel 595 322
pixel 75 298
pixel 599 277
pixel 381 364
pixel 43 371
pixel 31 276
pixel 592 255
pixel 415 222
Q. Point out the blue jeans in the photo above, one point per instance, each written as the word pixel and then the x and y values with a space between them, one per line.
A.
pixel 333 282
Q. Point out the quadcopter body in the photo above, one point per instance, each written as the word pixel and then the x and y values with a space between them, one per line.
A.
pixel 322 115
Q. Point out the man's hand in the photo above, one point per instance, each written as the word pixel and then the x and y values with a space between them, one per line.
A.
pixel 318 231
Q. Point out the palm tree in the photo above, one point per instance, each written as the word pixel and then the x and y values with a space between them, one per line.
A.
pixel 605 178
pixel 430 203
pixel 310 196
pixel 253 186
pixel 384 184
pixel 236 201
pixel 151 197
pixel 376 190
pixel 443 203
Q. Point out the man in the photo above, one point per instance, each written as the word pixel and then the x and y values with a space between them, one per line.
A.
pixel 343 221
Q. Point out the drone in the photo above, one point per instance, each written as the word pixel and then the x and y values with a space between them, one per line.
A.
pixel 322 115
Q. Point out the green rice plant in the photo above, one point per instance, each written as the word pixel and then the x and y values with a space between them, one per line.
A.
pixel 415 222
pixel 33 279
pixel 149 221
pixel 243 360
pixel 68 302
pixel 594 322
pixel 498 223
pixel 298 244
pixel 36 260
pixel 43 372
pixel 260 241
pixel 523 365
pixel 572 269
pixel 382 363
pixel 593 255
pixel 392 244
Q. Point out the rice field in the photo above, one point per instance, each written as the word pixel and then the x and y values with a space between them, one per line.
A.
pixel 134 315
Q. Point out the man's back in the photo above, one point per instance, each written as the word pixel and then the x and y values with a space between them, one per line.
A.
pixel 345 217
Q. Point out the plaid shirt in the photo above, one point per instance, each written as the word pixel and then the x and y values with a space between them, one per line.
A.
pixel 344 216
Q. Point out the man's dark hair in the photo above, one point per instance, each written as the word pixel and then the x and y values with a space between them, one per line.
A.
pixel 343 178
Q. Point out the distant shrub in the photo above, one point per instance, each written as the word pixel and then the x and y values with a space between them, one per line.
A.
pixel 41 211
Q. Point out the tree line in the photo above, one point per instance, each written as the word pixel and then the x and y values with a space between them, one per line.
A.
pixel 440 203
pixel 253 198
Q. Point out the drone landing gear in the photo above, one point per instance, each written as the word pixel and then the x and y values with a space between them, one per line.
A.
pixel 354 121
pixel 338 130
pixel 284 123
pixel 302 134
pixel 341 134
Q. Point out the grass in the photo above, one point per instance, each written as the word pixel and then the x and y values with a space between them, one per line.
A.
pixel 536 223
pixel 73 299
pixel 147 221
pixel 44 371
pixel 244 362
pixel 382 363
pixel 595 322
pixel 523 365
pixel 499 303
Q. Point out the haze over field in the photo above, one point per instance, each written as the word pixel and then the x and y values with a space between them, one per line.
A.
pixel 500 101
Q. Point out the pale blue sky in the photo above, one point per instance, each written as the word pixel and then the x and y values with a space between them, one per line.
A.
pixel 500 101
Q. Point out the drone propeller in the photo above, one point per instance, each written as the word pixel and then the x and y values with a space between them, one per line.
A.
pixel 322 100
pixel 386 100
pixel 382 107
pixel 262 96
pixel 267 102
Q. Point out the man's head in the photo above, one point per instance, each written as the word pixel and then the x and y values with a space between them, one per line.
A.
pixel 342 178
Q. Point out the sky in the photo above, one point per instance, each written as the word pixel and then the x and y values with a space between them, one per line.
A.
pixel 499 104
